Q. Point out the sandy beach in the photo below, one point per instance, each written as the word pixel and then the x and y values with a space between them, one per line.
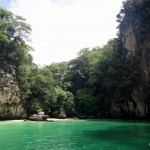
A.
pixel 48 119
pixel 56 119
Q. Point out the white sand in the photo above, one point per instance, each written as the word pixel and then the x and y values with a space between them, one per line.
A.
pixel 56 119
pixel 49 119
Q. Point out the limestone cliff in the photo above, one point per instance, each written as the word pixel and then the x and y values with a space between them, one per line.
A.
pixel 10 102
pixel 135 38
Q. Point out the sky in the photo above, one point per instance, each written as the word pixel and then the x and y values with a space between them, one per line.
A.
pixel 61 28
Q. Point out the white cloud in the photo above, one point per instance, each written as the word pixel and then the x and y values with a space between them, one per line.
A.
pixel 62 27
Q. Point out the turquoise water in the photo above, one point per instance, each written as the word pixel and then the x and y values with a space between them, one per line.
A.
pixel 75 135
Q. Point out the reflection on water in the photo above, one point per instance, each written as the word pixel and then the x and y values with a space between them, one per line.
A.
pixel 75 135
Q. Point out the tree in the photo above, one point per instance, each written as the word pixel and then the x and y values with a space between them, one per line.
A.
pixel 78 72
pixel 14 32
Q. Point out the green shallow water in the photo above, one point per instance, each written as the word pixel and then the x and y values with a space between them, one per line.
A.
pixel 75 135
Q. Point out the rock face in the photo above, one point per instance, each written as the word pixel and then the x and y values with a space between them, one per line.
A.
pixel 10 102
pixel 135 37
pixel 139 106
pixel 129 41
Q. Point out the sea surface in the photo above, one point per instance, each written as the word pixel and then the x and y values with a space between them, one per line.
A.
pixel 75 135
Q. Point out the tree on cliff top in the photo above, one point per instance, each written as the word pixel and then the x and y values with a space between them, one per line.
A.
pixel 14 34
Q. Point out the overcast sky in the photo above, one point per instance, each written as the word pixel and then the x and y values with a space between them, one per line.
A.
pixel 60 28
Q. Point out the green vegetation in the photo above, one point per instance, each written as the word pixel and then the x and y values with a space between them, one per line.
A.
pixel 102 82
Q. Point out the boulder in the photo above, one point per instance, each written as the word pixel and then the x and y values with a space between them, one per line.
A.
pixel 59 114
pixel 38 117
pixel 62 115
pixel 41 113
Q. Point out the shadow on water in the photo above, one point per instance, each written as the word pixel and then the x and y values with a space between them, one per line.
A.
pixel 120 120
pixel 132 137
